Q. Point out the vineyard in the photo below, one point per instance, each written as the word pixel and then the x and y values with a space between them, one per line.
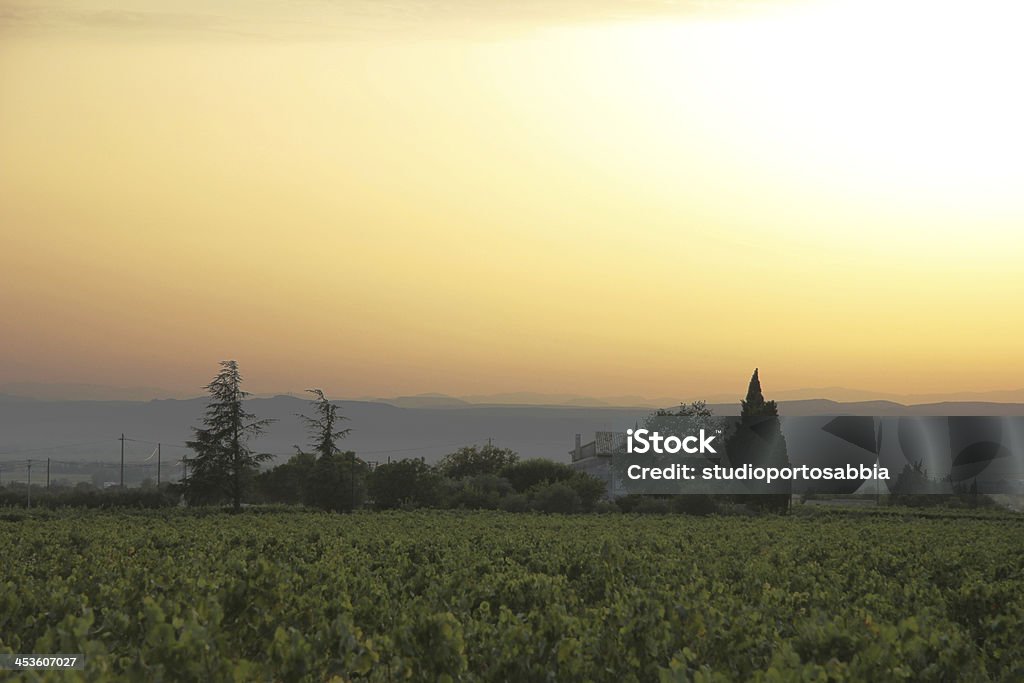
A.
pixel 449 596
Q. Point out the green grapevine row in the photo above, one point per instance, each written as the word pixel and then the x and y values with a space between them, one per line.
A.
pixel 448 596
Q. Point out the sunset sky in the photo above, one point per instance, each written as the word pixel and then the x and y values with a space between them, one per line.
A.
pixel 471 197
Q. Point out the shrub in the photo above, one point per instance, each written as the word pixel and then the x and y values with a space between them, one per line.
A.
pixel 556 498
pixel 526 474
pixel 405 483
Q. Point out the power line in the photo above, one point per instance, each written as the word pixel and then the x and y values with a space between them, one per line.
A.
pixel 121 438
pixel 156 443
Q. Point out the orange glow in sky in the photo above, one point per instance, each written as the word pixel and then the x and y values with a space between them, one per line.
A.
pixel 380 199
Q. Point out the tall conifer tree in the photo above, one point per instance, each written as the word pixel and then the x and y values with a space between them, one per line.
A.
pixel 759 442
pixel 223 462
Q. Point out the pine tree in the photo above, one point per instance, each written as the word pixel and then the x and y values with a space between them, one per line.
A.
pixel 338 479
pixel 321 426
pixel 224 464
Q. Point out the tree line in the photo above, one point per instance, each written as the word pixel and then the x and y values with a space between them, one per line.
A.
pixel 225 469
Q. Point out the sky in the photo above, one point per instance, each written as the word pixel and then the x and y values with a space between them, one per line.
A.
pixel 470 197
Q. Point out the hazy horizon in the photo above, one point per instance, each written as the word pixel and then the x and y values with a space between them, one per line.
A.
pixel 588 199
pixel 94 392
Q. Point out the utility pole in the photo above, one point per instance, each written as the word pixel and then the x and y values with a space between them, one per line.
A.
pixel 158 465
pixel 29 483
pixel 122 459
pixel 47 473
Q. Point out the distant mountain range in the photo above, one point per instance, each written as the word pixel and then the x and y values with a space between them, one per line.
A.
pixel 426 427
pixel 857 395
pixel 96 392
pixel 89 430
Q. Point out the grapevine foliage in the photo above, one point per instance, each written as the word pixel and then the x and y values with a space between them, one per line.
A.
pixel 446 596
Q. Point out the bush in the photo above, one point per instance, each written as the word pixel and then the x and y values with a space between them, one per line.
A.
pixel 405 483
pixel 556 498
pixel 288 482
pixel 590 489
pixel 338 483
pixel 166 496
pixel 471 461
pixel 517 502
pixel 526 474
pixel 481 492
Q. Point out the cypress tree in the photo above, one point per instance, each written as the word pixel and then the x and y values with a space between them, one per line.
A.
pixel 759 442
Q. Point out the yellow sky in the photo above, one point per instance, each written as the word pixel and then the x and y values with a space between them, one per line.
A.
pixel 388 199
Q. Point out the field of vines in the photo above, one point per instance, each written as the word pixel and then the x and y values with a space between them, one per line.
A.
pixel 448 596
